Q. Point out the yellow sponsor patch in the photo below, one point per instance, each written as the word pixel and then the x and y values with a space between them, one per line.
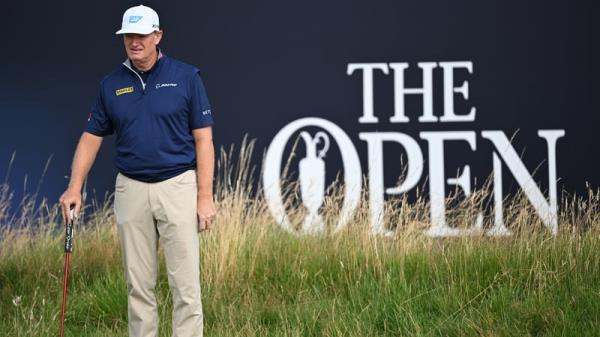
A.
pixel 122 91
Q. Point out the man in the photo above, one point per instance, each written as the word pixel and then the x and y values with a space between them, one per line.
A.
pixel 158 108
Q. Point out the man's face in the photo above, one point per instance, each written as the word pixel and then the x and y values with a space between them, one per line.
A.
pixel 140 47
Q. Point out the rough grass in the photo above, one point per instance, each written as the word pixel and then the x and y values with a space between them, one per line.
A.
pixel 258 280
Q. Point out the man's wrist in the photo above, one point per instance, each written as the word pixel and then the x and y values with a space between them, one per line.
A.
pixel 205 197
pixel 75 186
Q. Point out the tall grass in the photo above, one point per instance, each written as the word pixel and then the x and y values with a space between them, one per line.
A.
pixel 259 280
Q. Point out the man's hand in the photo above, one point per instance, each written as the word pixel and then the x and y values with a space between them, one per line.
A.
pixel 206 214
pixel 70 197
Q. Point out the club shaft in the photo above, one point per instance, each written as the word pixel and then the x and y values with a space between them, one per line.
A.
pixel 64 298
pixel 68 250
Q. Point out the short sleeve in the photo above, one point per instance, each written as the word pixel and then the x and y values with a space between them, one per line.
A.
pixel 98 122
pixel 200 113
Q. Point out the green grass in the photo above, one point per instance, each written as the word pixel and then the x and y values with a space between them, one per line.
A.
pixel 265 282
pixel 258 280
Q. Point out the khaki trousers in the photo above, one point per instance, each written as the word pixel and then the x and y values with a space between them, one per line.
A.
pixel 145 213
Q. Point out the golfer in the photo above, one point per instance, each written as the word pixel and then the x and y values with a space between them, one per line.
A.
pixel 158 109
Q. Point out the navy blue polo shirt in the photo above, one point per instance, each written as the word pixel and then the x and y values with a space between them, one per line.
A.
pixel 153 119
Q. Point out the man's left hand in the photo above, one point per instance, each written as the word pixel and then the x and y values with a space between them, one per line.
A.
pixel 206 214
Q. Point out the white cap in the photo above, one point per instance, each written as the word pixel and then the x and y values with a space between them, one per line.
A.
pixel 139 20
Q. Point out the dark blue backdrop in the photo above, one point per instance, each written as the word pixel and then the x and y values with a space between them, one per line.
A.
pixel 266 63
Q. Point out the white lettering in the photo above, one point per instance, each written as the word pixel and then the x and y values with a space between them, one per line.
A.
pixel 450 90
pixel 414 165
pixel 547 211
pixel 162 85
pixel 437 193
pixel 400 91
pixel 367 69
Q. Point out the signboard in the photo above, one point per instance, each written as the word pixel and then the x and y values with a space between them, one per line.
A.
pixel 430 96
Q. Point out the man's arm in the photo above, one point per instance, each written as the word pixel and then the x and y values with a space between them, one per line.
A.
pixel 205 162
pixel 85 154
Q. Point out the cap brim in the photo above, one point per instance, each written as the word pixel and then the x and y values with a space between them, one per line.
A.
pixel 136 31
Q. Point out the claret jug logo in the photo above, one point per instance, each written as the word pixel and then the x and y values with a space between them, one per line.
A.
pixel 312 179
pixel 312 168
pixel 312 173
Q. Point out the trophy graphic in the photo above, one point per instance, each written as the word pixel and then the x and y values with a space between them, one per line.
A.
pixel 312 181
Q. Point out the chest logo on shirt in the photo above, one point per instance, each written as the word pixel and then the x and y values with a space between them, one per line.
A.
pixel 163 85
pixel 122 91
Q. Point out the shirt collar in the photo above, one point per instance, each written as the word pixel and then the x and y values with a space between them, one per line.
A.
pixel 130 65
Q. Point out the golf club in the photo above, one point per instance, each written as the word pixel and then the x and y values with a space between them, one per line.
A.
pixel 68 250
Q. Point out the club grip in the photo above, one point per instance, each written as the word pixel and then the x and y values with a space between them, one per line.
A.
pixel 69 232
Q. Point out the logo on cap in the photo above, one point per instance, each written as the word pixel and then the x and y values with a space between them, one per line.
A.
pixel 135 18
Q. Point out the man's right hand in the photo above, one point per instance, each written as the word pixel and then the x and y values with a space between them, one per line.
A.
pixel 70 197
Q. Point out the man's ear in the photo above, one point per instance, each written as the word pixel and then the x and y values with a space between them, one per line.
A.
pixel 158 35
